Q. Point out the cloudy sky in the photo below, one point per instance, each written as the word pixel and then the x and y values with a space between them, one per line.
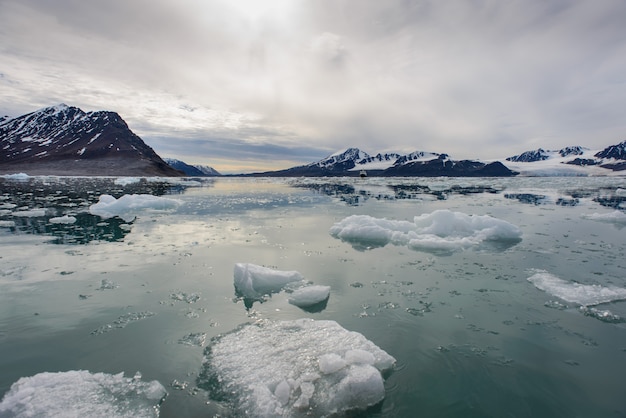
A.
pixel 250 85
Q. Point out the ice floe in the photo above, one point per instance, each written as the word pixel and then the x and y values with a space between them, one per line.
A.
pixel 581 294
pixel 253 282
pixel 308 368
pixel 79 393
pixel 65 219
pixel 439 231
pixel 616 217
pixel 309 296
pixel 127 206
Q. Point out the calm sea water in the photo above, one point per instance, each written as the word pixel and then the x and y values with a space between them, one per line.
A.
pixel 471 335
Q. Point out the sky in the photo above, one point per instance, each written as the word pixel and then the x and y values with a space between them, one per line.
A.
pixel 256 85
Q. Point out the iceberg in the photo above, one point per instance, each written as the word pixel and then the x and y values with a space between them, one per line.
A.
pixel 439 231
pixel 581 294
pixel 127 206
pixel 308 368
pixel 309 296
pixel 79 393
pixel 253 282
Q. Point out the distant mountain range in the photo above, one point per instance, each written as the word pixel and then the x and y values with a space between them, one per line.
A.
pixel 64 140
pixel 355 162
pixel 192 170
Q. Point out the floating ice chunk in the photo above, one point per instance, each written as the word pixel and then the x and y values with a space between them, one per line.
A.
pixel 7 224
pixel 30 213
pixel 331 363
pixel 253 281
pixel 308 367
pixel 309 295
pixel 65 219
pixel 582 294
pixel 127 206
pixel 79 393
pixel 125 181
pixel 17 176
pixel 616 217
pixel 441 230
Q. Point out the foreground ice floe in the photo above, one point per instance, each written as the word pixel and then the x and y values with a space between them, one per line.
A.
pixel 253 282
pixel 79 393
pixel 127 206
pixel 439 231
pixel 581 294
pixel 295 368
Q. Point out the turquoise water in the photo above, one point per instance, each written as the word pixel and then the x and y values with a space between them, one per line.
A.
pixel 471 335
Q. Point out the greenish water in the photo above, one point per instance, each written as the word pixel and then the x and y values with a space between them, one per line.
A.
pixel 471 335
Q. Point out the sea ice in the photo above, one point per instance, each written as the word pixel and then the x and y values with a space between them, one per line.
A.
pixel 309 295
pixel 616 217
pixel 441 230
pixel 125 181
pixel 308 368
pixel 126 207
pixel 253 281
pixel 65 219
pixel 30 213
pixel 582 294
pixel 79 393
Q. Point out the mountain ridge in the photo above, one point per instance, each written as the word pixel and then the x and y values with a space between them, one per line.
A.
pixel 65 140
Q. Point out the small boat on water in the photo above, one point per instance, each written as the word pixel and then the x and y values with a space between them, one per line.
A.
pixel 363 174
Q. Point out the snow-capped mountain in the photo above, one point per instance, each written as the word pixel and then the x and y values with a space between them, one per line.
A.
pixel 352 161
pixel 542 155
pixel 192 170
pixel 573 160
pixel 65 140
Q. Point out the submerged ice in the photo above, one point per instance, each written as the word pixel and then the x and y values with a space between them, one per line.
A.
pixel 441 230
pixel 308 368
pixel 581 294
pixel 79 393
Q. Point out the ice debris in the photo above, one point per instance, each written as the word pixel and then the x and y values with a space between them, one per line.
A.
pixel 581 294
pixel 79 393
pixel 65 219
pixel 253 282
pixel 127 206
pixel 308 368
pixel 439 231
pixel 122 321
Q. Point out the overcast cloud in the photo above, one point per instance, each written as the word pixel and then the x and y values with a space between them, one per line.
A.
pixel 249 85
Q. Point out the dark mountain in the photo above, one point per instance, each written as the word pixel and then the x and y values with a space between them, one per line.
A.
pixel 530 156
pixel 422 164
pixel 615 152
pixel 64 140
pixel 192 170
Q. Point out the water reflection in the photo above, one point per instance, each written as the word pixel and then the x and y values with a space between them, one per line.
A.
pixel 27 206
